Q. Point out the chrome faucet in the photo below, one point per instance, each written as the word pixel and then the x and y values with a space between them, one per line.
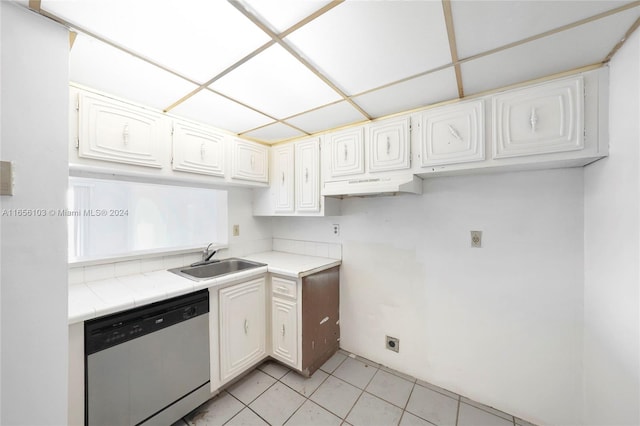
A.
pixel 206 256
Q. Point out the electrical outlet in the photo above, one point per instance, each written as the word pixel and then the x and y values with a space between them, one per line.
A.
pixel 336 229
pixel 392 343
pixel 476 239
pixel 236 230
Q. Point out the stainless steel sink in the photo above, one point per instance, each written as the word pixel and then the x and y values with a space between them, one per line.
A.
pixel 215 268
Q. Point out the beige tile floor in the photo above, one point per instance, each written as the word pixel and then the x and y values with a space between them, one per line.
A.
pixel 346 390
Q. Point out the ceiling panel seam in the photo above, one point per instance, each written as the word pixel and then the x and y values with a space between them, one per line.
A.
pixel 621 42
pixel 448 19
pixel 278 39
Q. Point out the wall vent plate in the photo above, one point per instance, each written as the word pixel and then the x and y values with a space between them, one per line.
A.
pixel 392 343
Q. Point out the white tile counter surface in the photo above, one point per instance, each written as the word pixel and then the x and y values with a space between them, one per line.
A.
pixel 92 299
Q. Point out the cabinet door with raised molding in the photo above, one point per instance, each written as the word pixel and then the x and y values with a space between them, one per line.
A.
pixel 249 161
pixel 198 150
pixel 307 175
pixel 242 327
pixel 116 131
pixel 283 178
pixel 389 145
pixel 452 134
pixel 284 330
pixel 347 148
pixel 538 120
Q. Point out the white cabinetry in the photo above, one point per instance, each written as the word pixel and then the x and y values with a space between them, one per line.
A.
pixel 242 319
pixel 347 153
pixel 111 130
pixel 284 321
pixel 249 161
pixel 538 120
pixel 307 166
pixel 198 149
pixel 388 145
pixel 452 134
pixel 295 183
pixel 282 182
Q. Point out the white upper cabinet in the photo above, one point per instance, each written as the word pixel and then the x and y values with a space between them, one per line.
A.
pixel 197 149
pixel 307 166
pixel 388 145
pixel 541 119
pixel 282 181
pixel 347 153
pixel 112 130
pixel 249 161
pixel 452 134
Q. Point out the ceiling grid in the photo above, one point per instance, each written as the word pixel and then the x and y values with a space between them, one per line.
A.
pixel 283 69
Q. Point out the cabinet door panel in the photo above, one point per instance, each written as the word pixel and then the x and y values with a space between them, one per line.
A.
pixel 284 330
pixel 389 147
pixel 197 150
pixel 308 176
pixel 539 120
pixel 283 178
pixel 453 134
pixel 116 131
pixel 249 161
pixel 347 153
pixel 242 327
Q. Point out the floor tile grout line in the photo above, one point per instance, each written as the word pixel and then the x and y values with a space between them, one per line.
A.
pixel 361 393
pixel 406 404
pixel 458 409
pixel 306 398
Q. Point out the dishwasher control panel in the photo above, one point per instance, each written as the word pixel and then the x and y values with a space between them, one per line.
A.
pixel 105 332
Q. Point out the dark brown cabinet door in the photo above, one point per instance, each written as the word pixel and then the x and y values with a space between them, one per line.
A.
pixel 320 318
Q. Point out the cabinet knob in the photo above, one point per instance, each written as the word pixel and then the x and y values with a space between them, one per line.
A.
pixel 125 134
pixel 202 151
pixel 306 175
pixel 346 152
pixel 283 330
pixel 252 161
pixel 246 326
pixel 283 178
pixel 388 145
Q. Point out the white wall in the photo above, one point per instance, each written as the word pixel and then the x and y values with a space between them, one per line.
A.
pixel 34 262
pixel 501 324
pixel 612 256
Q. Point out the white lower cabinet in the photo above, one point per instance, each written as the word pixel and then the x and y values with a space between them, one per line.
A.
pixel 242 325
pixel 284 330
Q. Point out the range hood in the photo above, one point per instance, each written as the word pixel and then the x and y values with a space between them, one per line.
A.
pixel 373 187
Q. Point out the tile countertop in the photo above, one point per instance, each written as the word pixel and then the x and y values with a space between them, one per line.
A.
pixel 94 299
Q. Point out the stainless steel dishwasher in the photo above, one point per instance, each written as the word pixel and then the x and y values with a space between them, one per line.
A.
pixel 148 365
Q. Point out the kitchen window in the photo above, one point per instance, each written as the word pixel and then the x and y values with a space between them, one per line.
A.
pixel 112 219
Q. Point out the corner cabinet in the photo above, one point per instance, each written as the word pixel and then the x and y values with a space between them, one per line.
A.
pixel 197 149
pixel 295 183
pixel 249 161
pixel 242 320
pixel 305 319
pixel 112 130
pixel 539 120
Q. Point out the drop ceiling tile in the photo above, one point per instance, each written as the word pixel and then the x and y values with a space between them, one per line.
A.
pixel 282 14
pixel 103 67
pixel 276 83
pixel 196 38
pixel 274 133
pixel 328 117
pixel 580 46
pixel 415 93
pixel 484 25
pixel 361 45
pixel 210 108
